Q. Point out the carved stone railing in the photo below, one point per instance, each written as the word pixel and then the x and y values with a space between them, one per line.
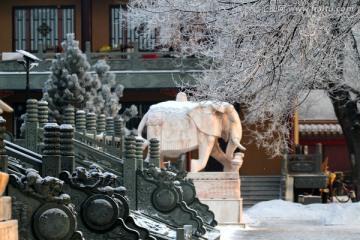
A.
pixel 157 194
pixel 103 206
pixel 91 144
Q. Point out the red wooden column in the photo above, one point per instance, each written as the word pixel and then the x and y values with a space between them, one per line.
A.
pixel 86 22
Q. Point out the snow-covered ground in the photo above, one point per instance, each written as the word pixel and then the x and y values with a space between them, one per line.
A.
pixel 327 214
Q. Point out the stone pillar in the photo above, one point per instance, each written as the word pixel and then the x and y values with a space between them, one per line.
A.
pixel 154 152
pixel 43 113
pixel 8 227
pixel 180 234
pixel 32 124
pixel 51 165
pixel 80 125
pixel 69 116
pixel 101 124
pixel 110 131
pixel 139 154
pixel 130 171
pixel 119 132
pixel 91 123
pixel 67 148
pixel 318 158
pixel 3 157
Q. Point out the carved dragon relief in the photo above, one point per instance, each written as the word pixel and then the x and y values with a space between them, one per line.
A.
pixel 93 180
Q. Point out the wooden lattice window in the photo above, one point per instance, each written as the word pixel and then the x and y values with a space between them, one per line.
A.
pixel 124 33
pixel 48 25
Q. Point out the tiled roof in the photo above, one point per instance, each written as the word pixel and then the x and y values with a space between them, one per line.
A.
pixel 320 129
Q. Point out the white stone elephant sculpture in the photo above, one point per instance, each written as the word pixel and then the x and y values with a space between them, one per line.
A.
pixel 182 126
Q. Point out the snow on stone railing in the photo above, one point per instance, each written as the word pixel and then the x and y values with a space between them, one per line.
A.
pixel 99 132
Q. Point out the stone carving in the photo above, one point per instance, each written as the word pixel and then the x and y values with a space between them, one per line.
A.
pixel 162 176
pixel 189 196
pixel 104 208
pixel 160 196
pixel 93 180
pixel 182 126
pixel 43 201
pixel 48 189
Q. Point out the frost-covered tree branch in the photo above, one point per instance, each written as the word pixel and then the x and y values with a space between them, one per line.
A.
pixel 265 55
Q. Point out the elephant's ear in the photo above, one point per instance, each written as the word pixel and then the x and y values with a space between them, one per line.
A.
pixel 207 120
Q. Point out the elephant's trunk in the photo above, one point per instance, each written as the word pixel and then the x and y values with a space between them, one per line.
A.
pixel 236 130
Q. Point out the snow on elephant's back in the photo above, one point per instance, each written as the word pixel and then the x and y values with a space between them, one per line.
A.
pixel 174 106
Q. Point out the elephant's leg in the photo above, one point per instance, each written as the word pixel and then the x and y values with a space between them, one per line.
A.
pixel 147 159
pixel 220 156
pixel 206 144
pixel 162 165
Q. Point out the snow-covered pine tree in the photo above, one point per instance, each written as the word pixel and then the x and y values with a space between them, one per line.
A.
pixel 70 82
pixel 108 97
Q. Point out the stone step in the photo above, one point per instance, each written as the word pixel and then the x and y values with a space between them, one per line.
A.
pixel 260 188
pixel 255 189
pixel 247 194
pixel 245 180
pixel 259 198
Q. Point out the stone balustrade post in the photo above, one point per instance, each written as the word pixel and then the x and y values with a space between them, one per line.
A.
pixel 110 131
pixel 129 169
pixel 180 234
pixel 91 123
pixel 51 165
pixel 80 124
pixel 101 124
pixel 31 125
pixel 43 113
pixel 3 157
pixel 69 116
pixel 67 147
pixel 154 152
pixel 139 154
pixel 119 131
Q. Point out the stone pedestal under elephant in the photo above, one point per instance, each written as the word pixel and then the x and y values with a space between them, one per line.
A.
pixel 182 126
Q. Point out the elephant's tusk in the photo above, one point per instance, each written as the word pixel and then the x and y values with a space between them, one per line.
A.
pixel 237 143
